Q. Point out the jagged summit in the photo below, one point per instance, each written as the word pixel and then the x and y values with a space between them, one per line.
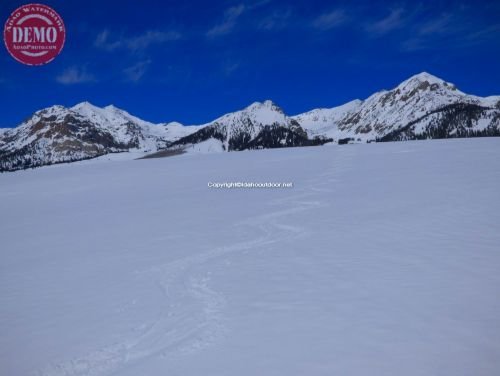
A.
pixel 84 104
pixel 52 109
pixel 425 81
pixel 266 105
pixel 424 76
pixel 87 106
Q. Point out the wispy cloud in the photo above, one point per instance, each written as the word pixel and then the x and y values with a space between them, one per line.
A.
pixel 140 42
pixel 151 37
pixel 75 75
pixel 231 15
pixel 230 67
pixel 414 44
pixel 439 25
pixel 104 41
pixel 327 21
pixel 450 30
pixel 277 20
pixel 135 72
pixel 426 34
pixel 394 20
pixel 487 33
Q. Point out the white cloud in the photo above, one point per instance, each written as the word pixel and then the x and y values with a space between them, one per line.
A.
pixel 439 25
pixel 230 67
pixel 103 41
pixel 330 20
pixel 277 20
pixel 145 40
pixel 436 33
pixel 392 21
pixel 135 43
pixel 75 75
pixel 231 15
pixel 135 72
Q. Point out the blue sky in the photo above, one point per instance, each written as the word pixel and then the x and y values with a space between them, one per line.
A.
pixel 191 61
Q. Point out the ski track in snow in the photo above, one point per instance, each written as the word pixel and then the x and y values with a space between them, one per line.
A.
pixel 179 331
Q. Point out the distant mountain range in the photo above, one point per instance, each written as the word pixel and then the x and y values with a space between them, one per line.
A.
pixel 422 107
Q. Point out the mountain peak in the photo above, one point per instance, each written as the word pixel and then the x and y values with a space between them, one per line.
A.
pixel 55 107
pixel 85 106
pixel 267 104
pixel 423 80
pixel 57 110
pixel 425 76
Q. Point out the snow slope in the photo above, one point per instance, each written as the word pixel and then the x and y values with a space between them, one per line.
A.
pixel 324 121
pixel 382 259
pixel 208 146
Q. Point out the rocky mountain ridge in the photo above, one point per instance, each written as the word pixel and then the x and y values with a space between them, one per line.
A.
pixel 421 107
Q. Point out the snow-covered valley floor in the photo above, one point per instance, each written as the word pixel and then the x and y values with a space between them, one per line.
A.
pixel 384 259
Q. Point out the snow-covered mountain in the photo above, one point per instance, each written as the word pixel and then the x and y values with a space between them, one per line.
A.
pixel 423 103
pixel 258 126
pixel 59 134
pixel 421 107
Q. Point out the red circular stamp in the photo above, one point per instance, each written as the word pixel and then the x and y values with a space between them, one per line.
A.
pixel 34 34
